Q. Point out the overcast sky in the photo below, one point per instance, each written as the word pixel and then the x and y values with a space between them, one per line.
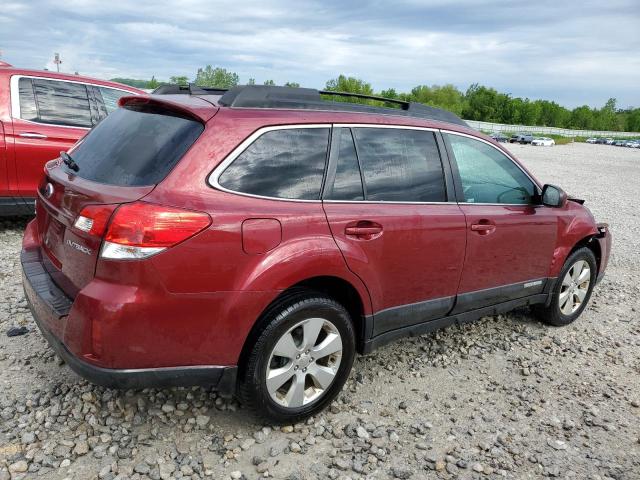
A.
pixel 573 52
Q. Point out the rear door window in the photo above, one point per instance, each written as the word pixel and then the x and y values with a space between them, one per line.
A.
pixel 135 146
pixel 62 103
pixel 286 163
pixel 400 165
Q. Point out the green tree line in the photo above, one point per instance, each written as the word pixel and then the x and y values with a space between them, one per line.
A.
pixel 476 103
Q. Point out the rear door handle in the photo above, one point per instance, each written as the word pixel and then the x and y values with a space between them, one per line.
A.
pixel 360 231
pixel 32 135
pixel 483 228
pixel 363 229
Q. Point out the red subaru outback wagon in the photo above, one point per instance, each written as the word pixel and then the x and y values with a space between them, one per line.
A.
pixel 254 240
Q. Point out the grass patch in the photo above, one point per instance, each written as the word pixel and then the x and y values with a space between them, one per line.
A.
pixel 560 140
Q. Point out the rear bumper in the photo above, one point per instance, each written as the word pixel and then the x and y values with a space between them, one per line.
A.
pixel 49 306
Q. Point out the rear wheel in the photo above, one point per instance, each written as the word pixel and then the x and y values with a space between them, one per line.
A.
pixel 301 358
pixel 572 290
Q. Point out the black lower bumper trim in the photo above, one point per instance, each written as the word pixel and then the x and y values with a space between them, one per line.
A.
pixel 43 285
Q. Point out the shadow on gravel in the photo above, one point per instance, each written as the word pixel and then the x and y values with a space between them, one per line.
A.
pixel 15 222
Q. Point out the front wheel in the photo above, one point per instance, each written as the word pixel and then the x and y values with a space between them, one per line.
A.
pixel 301 359
pixel 572 291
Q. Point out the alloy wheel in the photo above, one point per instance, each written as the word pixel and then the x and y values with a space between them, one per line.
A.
pixel 304 363
pixel 574 288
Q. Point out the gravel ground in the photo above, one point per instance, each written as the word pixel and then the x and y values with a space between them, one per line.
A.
pixel 505 397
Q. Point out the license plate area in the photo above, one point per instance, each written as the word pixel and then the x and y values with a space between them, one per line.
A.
pixel 53 239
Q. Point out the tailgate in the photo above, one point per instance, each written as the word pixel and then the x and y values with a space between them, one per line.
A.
pixel 70 255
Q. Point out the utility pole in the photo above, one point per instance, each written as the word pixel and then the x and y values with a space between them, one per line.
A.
pixel 57 61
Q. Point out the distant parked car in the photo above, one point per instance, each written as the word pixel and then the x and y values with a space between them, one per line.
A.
pixel 602 141
pixel 631 143
pixel 42 114
pixel 498 137
pixel 592 140
pixel 620 143
pixel 521 138
pixel 543 142
pixel 609 141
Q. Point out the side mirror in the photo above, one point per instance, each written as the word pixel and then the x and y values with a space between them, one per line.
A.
pixel 553 196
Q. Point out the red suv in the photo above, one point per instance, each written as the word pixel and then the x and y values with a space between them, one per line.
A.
pixel 41 114
pixel 254 241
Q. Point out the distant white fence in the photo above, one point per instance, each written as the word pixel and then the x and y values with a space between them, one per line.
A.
pixel 565 132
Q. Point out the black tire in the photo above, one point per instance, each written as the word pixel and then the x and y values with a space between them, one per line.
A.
pixel 276 322
pixel 552 314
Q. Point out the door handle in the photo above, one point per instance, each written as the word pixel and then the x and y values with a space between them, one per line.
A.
pixel 360 231
pixel 32 135
pixel 364 230
pixel 483 228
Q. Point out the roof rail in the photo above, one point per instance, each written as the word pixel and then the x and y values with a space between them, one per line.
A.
pixel 396 101
pixel 267 96
pixel 190 89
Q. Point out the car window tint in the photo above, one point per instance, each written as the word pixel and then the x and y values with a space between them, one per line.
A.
pixel 96 105
pixel 487 175
pixel 28 109
pixel 62 103
pixel 110 96
pixel 135 145
pixel 347 184
pixel 286 163
pixel 400 165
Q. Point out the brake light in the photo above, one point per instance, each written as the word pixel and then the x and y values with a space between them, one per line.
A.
pixel 93 219
pixel 139 230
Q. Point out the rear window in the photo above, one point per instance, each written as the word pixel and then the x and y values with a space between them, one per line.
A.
pixel 135 146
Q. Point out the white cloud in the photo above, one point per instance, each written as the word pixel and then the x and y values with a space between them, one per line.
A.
pixel 574 53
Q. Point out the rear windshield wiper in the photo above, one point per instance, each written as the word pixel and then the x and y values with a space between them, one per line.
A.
pixel 69 162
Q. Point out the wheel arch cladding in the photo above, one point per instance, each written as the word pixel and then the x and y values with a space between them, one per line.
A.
pixel 591 243
pixel 334 287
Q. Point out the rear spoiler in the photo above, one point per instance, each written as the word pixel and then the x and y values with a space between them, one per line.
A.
pixel 186 106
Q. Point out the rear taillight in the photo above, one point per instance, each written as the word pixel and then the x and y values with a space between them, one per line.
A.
pixel 93 219
pixel 139 230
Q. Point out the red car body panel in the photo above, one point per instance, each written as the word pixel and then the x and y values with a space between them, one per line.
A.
pixel 196 303
pixel 415 242
pixel 497 257
pixel 21 166
pixel 4 177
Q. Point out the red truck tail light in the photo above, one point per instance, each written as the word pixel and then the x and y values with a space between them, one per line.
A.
pixel 93 219
pixel 139 230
